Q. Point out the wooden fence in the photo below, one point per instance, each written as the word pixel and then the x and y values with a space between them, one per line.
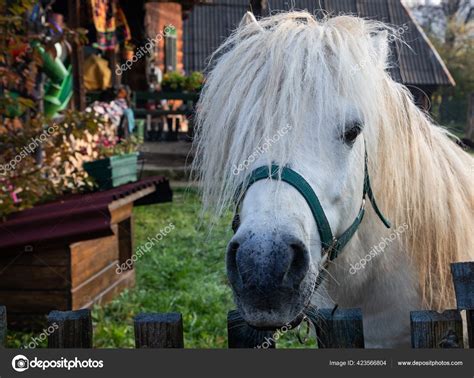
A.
pixel 339 328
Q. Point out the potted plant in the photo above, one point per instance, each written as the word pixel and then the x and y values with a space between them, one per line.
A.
pixel 117 164
pixel 173 82
pixel 194 82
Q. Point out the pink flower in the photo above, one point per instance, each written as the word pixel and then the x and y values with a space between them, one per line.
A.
pixel 13 194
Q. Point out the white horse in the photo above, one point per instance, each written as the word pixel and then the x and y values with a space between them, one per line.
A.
pixel 314 97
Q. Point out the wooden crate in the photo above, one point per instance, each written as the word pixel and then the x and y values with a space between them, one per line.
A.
pixel 67 277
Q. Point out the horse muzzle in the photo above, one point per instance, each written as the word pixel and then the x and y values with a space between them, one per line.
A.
pixel 269 275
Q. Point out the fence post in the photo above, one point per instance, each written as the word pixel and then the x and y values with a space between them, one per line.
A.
pixel 159 330
pixel 72 329
pixel 241 335
pixel 3 325
pixel 339 328
pixel 463 279
pixel 431 329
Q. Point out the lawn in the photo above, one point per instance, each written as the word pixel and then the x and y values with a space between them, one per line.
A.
pixel 184 272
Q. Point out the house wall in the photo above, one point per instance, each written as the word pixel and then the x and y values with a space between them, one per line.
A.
pixel 157 17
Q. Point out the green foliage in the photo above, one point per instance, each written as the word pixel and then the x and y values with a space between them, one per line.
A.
pixel 194 81
pixel 184 273
pixel 121 147
pixel 173 81
pixel 24 181
pixel 457 51
pixel 63 147
pixel 41 159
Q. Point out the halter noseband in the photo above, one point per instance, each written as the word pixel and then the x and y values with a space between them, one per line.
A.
pixel 331 245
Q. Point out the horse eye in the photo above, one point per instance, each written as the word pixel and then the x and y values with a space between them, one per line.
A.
pixel 352 133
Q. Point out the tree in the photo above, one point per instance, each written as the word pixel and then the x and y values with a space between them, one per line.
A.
pixel 457 50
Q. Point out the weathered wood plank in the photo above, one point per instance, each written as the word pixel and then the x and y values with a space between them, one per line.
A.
pixel 339 328
pixel 95 285
pixel 47 254
pixel 19 277
pixel 470 327
pixel 159 330
pixel 73 329
pixel 19 301
pixel 3 325
pixel 241 335
pixel 463 279
pixel 125 239
pixel 126 280
pixel 89 257
pixel 431 329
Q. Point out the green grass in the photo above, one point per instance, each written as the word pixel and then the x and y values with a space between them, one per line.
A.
pixel 184 272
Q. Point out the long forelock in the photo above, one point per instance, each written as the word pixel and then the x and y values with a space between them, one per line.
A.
pixel 283 72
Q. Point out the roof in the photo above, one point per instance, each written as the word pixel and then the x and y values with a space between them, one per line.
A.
pixel 418 64
pixel 80 216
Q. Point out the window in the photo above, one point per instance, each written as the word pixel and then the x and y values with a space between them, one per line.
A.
pixel 171 54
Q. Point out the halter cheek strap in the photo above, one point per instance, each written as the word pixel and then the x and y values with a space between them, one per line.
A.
pixel 331 245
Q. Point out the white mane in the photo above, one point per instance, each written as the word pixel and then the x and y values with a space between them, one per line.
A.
pixel 282 71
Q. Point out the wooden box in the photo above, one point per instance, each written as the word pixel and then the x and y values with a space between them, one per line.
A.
pixel 36 280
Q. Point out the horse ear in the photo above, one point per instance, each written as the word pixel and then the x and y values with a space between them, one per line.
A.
pixel 380 46
pixel 248 19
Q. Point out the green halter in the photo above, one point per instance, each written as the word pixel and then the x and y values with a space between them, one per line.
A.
pixel 331 245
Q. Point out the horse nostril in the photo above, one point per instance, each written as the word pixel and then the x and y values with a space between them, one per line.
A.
pixel 299 264
pixel 232 269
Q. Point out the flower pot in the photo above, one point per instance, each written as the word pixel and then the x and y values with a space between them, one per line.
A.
pixel 170 88
pixel 113 171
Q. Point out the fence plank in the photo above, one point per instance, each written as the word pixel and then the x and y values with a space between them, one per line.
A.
pixel 463 278
pixel 159 330
pixel 470 327
pixel 339 328
pixel 241 335
pixel 431 329
pixel 3 325
pixel 73 329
